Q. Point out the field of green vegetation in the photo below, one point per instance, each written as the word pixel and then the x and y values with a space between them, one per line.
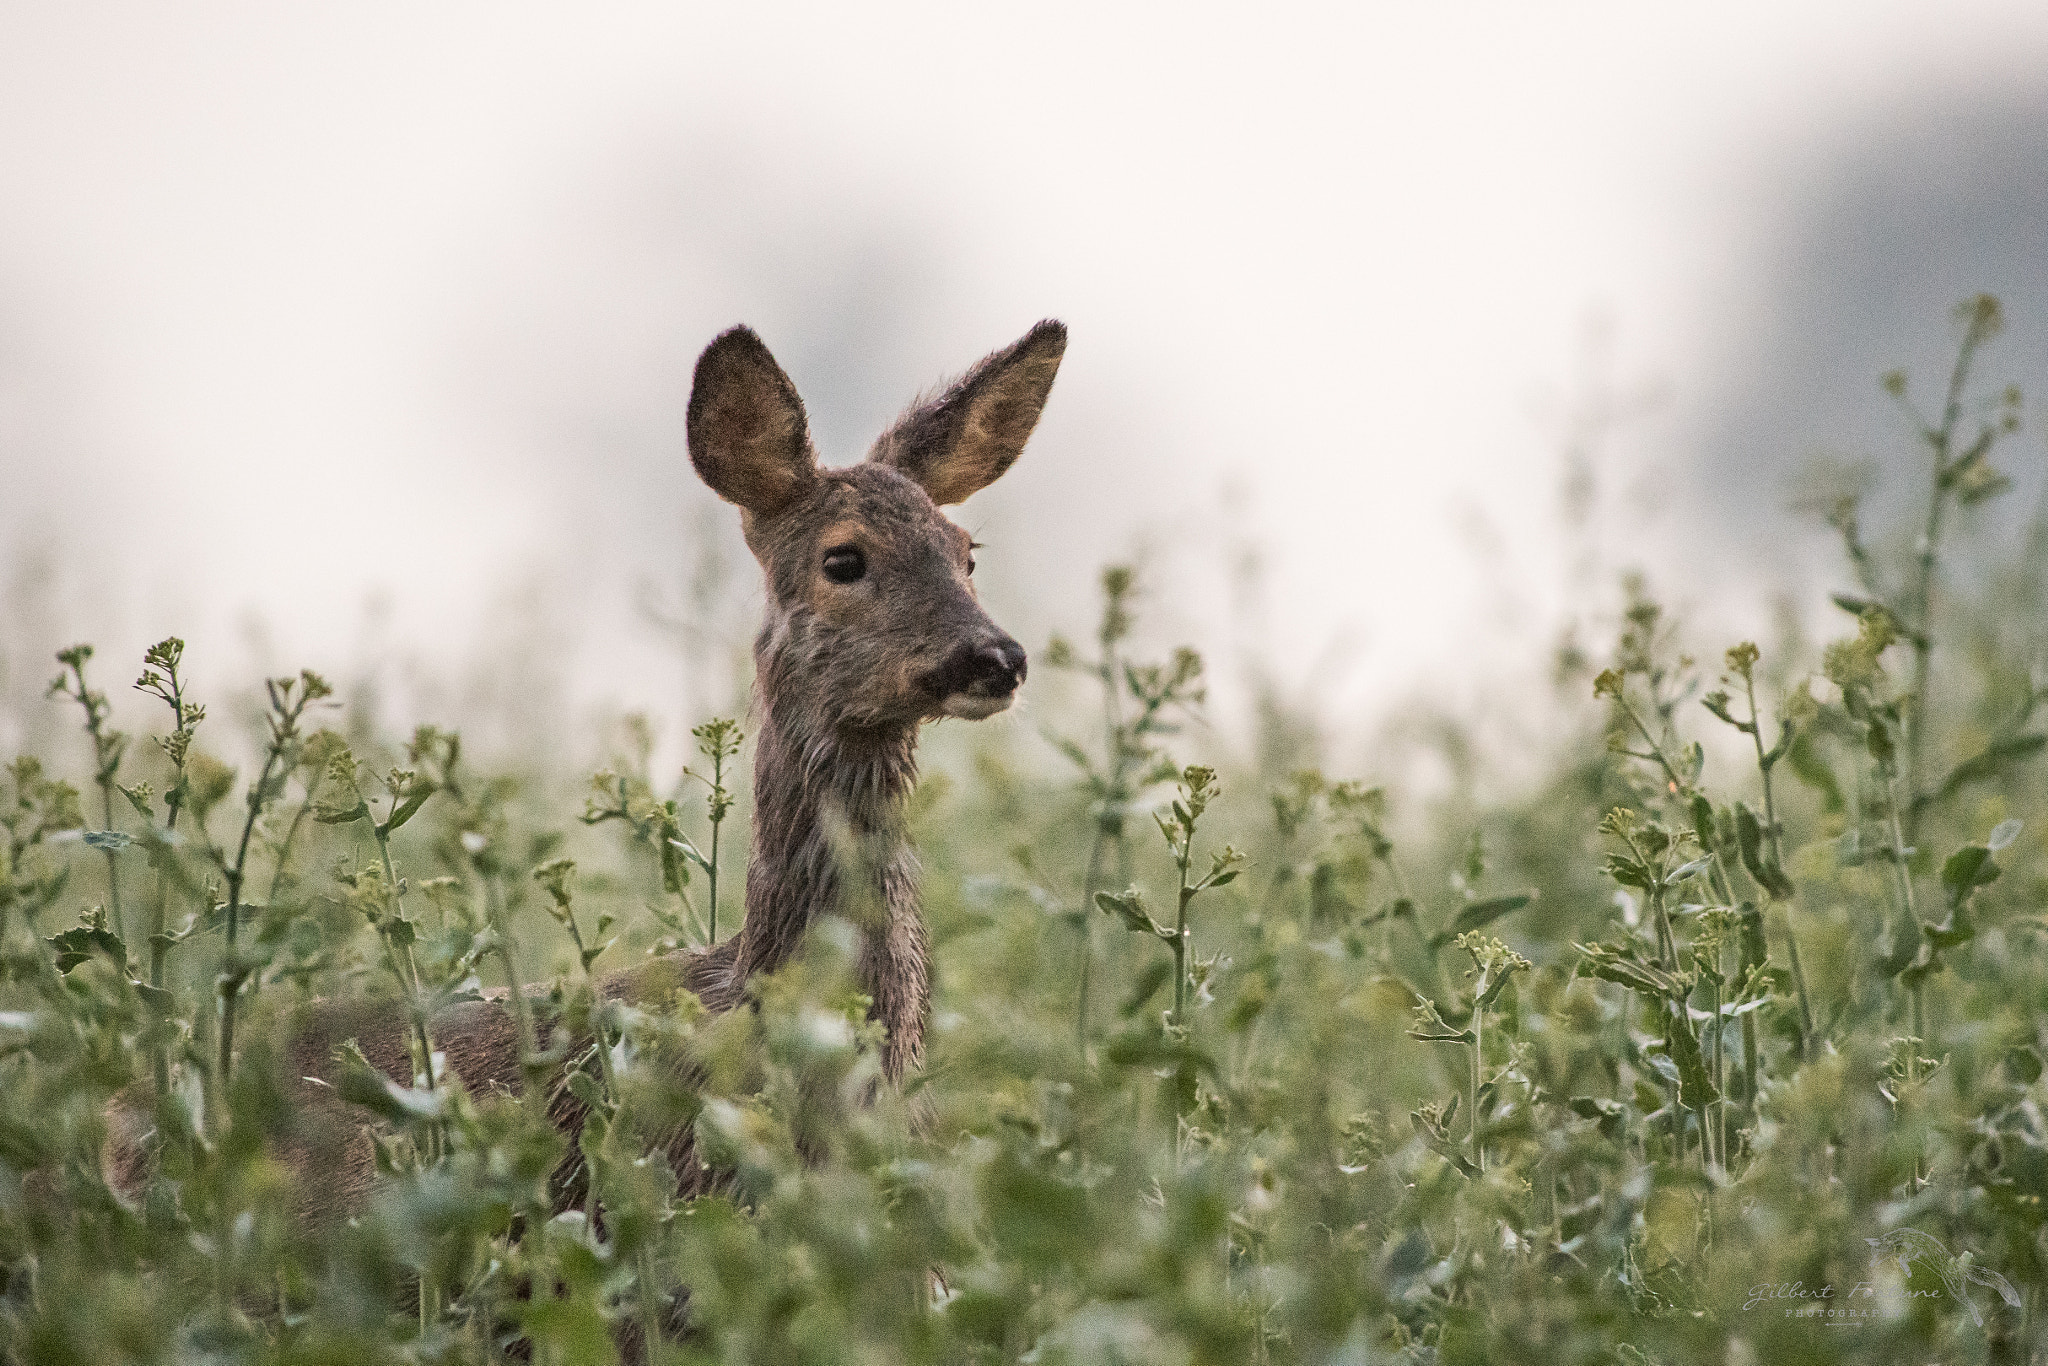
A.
pixel 1721 1043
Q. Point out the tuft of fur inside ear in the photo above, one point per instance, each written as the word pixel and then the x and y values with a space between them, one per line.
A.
pixel 749 437
pixel 960 442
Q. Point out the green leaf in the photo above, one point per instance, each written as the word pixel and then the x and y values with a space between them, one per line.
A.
pixel 1481 913
pixel 1967 869
pixel 1326 902
pixel 1957 929
pixel 1922 965
pixel 1150 1048
pixel 586 1088
pixel 1755 952
pixel 1703 822
pixel 1611 1114
pixel 1717 703
pixel 675 874
pixel 337 815
pixel 1494 989
pixel 1440 1143
pixel 1749 840
pixel 1908 945
pixel 689 851
pixel 1628 872
pixel 1811 769
pixel 1153 976
pixel 1432 1035
pixel 1856 606
pixel 1130 908
pixel 1688 870
pixel 1624 965
pixel 1695 1082
pixel 591 954
pixel 1786 733
pixel 409 808
pixel 1996 758
pixel 75 946
pixel 1075 754
pixel 362 1084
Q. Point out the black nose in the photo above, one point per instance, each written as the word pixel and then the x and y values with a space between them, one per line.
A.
pixel 987 669
pixel 1001 666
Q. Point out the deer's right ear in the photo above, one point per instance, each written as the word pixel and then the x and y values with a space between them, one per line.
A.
pixel 749 439
pixel 959 442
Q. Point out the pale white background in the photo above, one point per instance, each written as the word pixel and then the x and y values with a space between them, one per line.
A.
pixel 346 332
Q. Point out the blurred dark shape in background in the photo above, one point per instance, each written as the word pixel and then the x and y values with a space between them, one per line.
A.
pixel 1945 199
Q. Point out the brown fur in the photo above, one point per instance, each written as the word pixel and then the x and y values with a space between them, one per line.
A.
pixel 845 675
pixel 963 440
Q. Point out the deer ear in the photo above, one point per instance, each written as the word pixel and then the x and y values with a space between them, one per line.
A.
pixel 961 441
pixel 748 435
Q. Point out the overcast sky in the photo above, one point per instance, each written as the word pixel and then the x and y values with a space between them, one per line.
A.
pixel 305 305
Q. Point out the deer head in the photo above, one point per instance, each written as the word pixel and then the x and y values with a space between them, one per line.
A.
pixel 872 616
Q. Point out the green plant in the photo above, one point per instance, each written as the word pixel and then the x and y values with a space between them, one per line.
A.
pixel 1775 1010
pixel 1197 788
pixel 289 698
pixel 1494 965
pixel 1140 706
pixel 160 678
pixel 376 891
pixel 717 741
pixel 108 747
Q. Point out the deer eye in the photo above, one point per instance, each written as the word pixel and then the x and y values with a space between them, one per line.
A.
pixel 845 563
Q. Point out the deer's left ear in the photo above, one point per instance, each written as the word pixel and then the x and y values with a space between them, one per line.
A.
pixel 748 435
pixel 960 442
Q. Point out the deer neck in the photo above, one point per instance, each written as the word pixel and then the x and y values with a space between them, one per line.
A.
pixel 831 838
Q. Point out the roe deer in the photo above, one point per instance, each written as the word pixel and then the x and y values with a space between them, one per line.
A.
pixel 872 629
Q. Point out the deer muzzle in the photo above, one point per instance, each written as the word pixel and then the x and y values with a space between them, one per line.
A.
pixel 979 678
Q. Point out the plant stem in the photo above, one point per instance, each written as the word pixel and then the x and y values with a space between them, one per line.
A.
pixel 1720 1066
pixel 1109 822
pixel 159 943
pixel 644 1262
pixel 1774 836
pixel 1900 853
pixel 1180 940
pixel 522 1009
pixel 409 978
pixel 113 865
pixel 291 835
pixel 1799 985
pixel 1671 774
pixel 106 761
pixel 650 1321
pixel 717 819
pixel 1940 441
pixel 1478 1056
pixel 231 978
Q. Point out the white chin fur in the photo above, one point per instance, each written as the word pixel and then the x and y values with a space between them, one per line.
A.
pixel 968 707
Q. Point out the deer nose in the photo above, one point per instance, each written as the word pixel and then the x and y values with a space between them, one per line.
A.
pixel 986 669
pixel 1003 666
